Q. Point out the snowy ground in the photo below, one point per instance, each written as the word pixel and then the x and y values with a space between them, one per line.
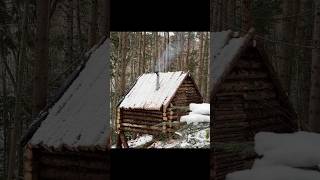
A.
pixel 192 136
pixel 293 156
pixel 195 134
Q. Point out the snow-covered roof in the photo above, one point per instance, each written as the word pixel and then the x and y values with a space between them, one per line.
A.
pixel 79 117
pixel 144 95
pixel 226 45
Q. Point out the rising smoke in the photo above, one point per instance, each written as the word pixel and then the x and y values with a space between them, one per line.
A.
pixel 172 50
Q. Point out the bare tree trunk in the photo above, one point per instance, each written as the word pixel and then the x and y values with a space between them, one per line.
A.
pixel 205 71
pixel 40 81
pixel 144 53
pixel 209 69
pixel 105 17
pixel 92 38
pixel 124 63
pixel 315 73
pixel 188 52
pixel 200 75
pixel 155 55
pixel 140 53
pixel 217 15
pixel 4 113
pixel 288 34
pixel 79 30
pixel 246 23
pixel 15 151
pixel 69 22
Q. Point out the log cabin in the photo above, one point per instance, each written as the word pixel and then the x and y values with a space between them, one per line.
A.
pixel 151 104
pixel 246 97
pixel 69 140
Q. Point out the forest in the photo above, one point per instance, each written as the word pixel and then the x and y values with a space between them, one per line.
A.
pixel 42 42
pixel 289 31
pixel 135 53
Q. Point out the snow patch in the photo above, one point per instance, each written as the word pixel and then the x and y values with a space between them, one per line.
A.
pixel 195 118
pixel 203 108
pixel 140 141
pixel 285 156
pixel 280 148
pixel 274 173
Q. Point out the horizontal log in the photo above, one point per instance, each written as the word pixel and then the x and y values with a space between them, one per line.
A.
pixel 140 126
pixel 186 91
pixel 150 113
pixel 229 116
pixel 134 121
pixel 69 162
pixel 98 153
pixel 179 108
pixel 227 107
pixel 156 112
pixel 246 75
pixel 259 96
pixel 248 64
pixel 227 112
pixel 236 125
pixel 173 117
pixel 142 117
pixel 253 105
pixel 241 86
pixel 183 103
pixel 188 99
pixel 145 131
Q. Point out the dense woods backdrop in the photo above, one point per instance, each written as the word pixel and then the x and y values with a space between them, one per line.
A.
pixel 41 44
pixel 135 53
pixel 290 32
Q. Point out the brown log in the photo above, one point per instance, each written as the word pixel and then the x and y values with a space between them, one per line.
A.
pixel 142 114
pixel 140 126
pixel 27 165
pixel 226 112
pixel 50 161
pixel 143 118
pixel 247 64
pixel 247 75
pixel 241 86
pixel 173 117
pixel 28 153
pixel 134 121
pixel 156 112
pixel 145 131
pixel 259 96
pixel 232 116
pixel 124 140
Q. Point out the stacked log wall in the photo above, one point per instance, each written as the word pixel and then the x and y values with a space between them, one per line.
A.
pixel 247 102
pixel 141 121
pixel 54 165
pixel 147 121
pixel 187 93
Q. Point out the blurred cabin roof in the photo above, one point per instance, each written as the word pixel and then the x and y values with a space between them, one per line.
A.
pixel 79 118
